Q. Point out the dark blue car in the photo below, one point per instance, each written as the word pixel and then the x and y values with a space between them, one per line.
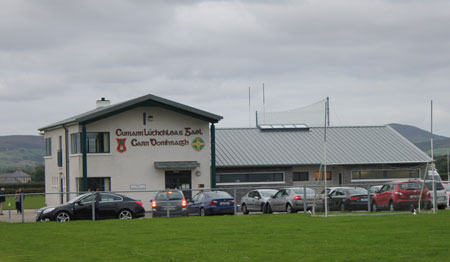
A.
pixel 211 203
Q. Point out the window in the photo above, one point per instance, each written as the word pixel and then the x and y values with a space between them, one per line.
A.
pixel 75 143
pixel 385 174
pixel 321 176
pixel 48 147
pixel 300 176
pixel 95 142
pixel 109 198
pixel 250 177
pixel 95 183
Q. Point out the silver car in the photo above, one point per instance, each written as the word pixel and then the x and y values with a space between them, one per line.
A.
pixel 255 200
pixel 290 200
pixel 441 193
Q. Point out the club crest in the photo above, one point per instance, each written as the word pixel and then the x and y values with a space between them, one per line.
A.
pixel 121 145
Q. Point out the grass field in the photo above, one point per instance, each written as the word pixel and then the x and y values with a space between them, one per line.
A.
pixel 293 237
pixel 30 202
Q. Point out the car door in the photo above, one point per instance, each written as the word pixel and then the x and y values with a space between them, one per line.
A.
pixel 280 201
pixel 83 208
pixel 196 203
pixel 258 201
pixel 382 198
pixel 274 201
pixel 108 205
pixel 251 200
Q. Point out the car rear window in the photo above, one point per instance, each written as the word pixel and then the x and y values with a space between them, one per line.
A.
pixel 173 196
pixel 438 185
pixel 268 193
pixel 410 186
pixel 218 194
pixel 357 191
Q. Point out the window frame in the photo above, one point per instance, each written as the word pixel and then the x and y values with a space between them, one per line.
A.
pixel 48 147
pixel 300 176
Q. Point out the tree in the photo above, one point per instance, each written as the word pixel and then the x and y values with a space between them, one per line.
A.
pixel 38 173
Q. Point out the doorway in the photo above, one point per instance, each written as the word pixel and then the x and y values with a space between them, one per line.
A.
pixel 179 179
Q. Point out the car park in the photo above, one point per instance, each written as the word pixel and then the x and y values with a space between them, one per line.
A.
pixel 255 200
pixel 211 203
pixel 397 195
pixel 106 205
pixel 348 198
pixel 290 200
pixel 441 193
pixel 169 203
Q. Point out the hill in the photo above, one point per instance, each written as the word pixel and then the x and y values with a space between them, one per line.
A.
pixel 24 152
pixel 421 138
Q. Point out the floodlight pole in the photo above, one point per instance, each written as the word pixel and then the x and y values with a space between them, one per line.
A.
pixel 432 165
pixel 325 156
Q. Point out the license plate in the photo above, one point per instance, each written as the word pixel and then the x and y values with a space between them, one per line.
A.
pixel 170 208
pixel 363 199
pixel 224 203
pixel 413 196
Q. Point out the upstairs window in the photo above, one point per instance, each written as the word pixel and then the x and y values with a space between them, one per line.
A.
pixel 48 147
pixel 96 142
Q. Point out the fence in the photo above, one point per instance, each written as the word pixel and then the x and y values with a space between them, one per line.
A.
pixel 345 200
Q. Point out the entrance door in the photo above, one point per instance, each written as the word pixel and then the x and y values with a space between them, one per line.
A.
pixel 179 180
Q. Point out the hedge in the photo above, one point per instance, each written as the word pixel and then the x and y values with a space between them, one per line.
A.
pixel 31 187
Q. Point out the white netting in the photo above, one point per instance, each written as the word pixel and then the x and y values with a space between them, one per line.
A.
pixel 312 116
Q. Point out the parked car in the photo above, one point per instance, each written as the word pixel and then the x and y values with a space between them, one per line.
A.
pixel 256 200
pixel 347 198
pixel 290 200
pixel 441 193
pixel 398 195
pixel 107 205
pixel 211 203
pixel 447 189
pixel 169 203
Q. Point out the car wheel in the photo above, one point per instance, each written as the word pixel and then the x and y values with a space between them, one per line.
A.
pixel 62 217
pixel 244 209
pixel 391 206
pixel 268 209
pixel 202 212
pixel 125 214
pixel 342 206
pixel 263 209
pixel 289 209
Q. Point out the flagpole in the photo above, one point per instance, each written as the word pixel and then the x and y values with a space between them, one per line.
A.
pixel 325 157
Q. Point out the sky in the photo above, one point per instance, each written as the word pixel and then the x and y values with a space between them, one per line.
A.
pixel 379 61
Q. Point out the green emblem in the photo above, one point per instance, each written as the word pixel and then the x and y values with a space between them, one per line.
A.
pixel 198 144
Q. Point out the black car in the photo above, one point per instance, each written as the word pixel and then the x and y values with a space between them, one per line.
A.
pixel 348 198
pixel 169 203
pixel 107 205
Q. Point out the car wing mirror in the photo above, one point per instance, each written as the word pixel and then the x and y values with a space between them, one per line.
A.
pixel 257 197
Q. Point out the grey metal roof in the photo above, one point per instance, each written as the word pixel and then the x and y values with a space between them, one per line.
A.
pixel 246 147
pixel 147 100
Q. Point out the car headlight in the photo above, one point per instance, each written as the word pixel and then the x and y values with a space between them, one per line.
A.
pixel 48 210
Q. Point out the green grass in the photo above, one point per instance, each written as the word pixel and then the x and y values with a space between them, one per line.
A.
pixel 30 202
pixel 293 237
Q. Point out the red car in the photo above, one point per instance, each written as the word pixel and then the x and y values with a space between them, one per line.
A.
pixel 399 195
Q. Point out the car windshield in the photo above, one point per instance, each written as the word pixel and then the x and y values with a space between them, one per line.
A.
pixel 267 193
pixel 218 194
pixel 172 195
pixel 375 189
pixel 438 185
pixel 357 191
pixel 410 186
pixel 300 191
pixel 78 198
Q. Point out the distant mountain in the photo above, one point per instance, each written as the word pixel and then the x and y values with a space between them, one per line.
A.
pixel 25 152
pixel 421 138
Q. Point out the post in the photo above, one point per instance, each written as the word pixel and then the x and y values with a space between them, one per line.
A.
pixel 325 158
pixel 368 199
pixel 94 200
pixel 235 201
pixel 84 153
pixel 9 210
pixel 304 199
pixel 167 205
pixel 213 156
pixel 21 207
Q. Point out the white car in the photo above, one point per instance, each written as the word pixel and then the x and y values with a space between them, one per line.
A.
pixel 441 193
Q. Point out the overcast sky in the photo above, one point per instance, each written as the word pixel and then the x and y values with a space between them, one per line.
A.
pixel 379 61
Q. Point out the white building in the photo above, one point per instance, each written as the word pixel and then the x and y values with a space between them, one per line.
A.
pixel 147 143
